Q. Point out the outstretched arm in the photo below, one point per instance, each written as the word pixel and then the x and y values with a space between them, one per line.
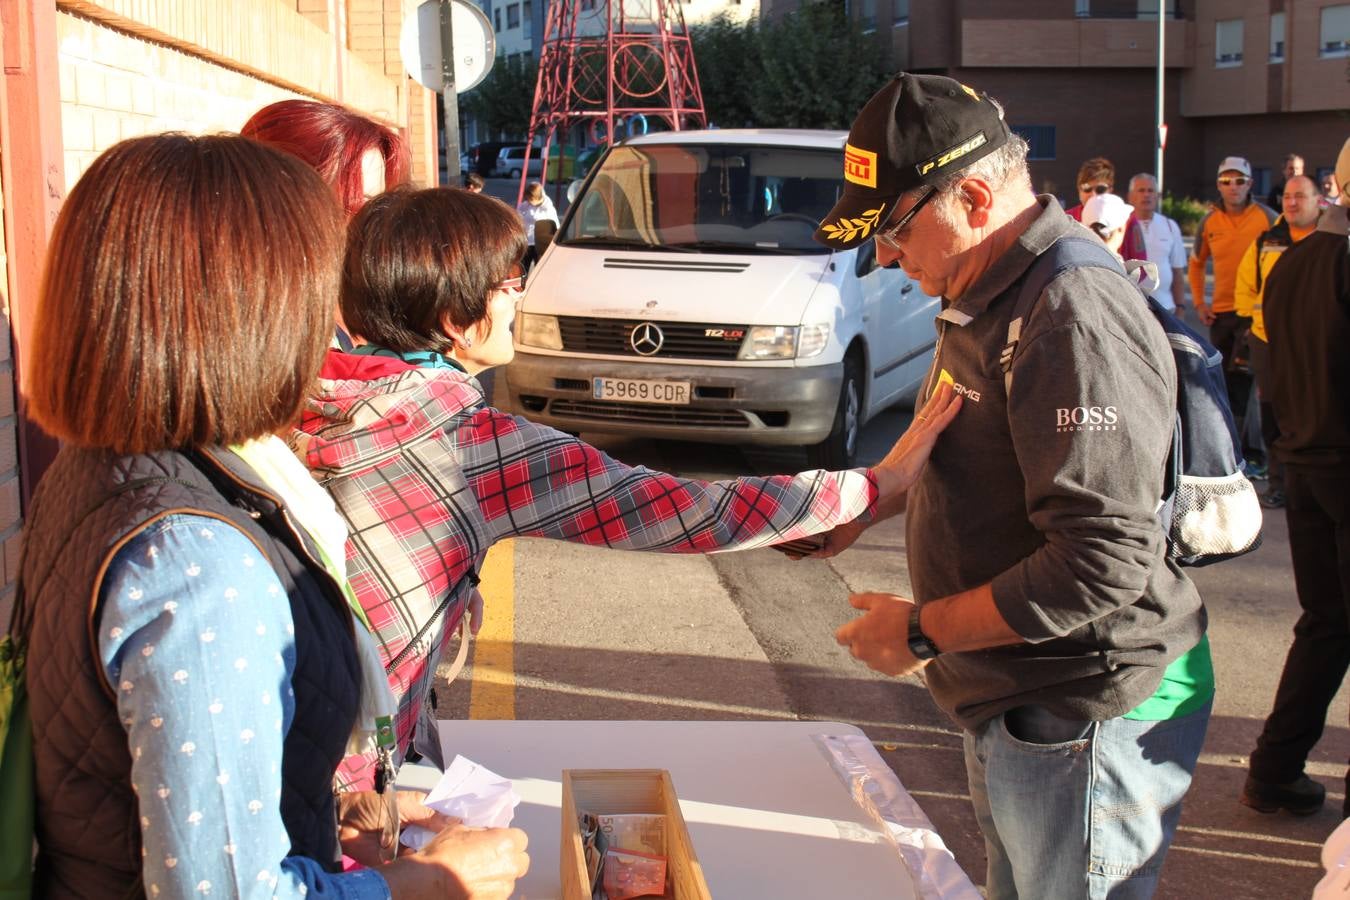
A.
pixel 532 480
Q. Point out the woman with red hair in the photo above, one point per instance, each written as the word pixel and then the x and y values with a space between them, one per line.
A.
pixel 356 155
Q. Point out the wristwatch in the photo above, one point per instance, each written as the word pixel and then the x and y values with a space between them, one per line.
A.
pixel 919 644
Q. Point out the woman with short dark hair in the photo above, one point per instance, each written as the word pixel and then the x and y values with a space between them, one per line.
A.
pixel 195 671
pixel 429 477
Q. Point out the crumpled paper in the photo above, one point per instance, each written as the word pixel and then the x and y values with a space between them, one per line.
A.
pixel 473 794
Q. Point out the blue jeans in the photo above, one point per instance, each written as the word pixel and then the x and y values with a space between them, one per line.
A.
pixel 1089 816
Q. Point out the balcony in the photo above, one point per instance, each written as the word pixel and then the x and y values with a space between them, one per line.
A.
pixel 1071 43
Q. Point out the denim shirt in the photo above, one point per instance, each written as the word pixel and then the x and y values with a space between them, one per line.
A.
pixel 195 638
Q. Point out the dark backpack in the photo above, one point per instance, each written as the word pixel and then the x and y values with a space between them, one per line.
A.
pixel 1209 510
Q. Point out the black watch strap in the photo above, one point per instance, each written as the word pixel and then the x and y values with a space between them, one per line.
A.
pixel 919 644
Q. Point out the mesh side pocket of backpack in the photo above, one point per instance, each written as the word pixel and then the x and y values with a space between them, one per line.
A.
pixel 1214 518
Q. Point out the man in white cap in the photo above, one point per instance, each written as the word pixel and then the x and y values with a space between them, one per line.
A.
pixel 1107 215
pixel 1046 616
pixel 1306 306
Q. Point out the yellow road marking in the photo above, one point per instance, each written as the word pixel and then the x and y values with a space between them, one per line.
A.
pixel 492 693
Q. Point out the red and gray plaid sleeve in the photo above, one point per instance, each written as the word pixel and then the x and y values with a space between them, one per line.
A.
pixel 532 480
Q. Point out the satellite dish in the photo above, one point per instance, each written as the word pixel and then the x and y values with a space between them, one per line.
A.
pixel 419 45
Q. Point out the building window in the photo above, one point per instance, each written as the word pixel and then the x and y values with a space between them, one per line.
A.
pixel 588 4
pixel 497 19
pixel 867 15
pixel 1082 8
pixel 512 16
pixel 1277 37
pixel 1335 37
pixel 1040 140
pixel 527 19
pixel 1148 9
pixel 899 13
pixel 1227 43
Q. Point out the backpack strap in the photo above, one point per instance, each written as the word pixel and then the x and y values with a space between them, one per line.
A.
pixel 1069 252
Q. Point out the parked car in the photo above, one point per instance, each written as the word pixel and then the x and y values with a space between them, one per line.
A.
pixel 511 161
pixel 684 297
pixel 483 156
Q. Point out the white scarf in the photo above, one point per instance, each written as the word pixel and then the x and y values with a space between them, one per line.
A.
pixel 311 506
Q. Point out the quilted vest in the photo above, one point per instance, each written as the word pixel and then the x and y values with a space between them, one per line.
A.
pixel 90 502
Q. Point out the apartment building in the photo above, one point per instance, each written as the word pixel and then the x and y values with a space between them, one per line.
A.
pixel 1256 78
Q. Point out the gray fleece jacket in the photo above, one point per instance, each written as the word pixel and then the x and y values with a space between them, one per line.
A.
pixel 1051 493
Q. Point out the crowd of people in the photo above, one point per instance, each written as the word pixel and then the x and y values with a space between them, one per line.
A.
pixel 237 583
pixel 243 578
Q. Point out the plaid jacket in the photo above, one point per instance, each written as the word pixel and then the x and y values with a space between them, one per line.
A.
pixel 428 478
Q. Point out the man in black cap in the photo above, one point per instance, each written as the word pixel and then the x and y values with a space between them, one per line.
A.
pixel 1046 616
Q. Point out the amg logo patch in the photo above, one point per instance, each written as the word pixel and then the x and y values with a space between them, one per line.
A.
pixel 945 377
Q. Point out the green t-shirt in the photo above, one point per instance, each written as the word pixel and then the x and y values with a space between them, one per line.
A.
pixel 1187 685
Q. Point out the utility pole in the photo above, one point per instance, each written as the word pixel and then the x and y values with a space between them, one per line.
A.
pixel 1160 131
pixel 449 98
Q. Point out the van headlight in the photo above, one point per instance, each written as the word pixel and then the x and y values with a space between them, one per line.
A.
pixel 769 342
pixel 813 340
pixel 784 341
pixel 535 330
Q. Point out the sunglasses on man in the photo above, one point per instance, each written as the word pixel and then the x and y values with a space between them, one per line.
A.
pixel 1239 181
pixel 891 236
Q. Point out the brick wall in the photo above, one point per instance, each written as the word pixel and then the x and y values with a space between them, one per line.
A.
pixel 123 68
pixel 10 517
pixel 115 86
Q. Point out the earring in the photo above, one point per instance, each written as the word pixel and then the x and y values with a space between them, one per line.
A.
pixel 466 342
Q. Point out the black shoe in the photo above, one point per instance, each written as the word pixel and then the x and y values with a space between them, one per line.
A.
pixel 1302 797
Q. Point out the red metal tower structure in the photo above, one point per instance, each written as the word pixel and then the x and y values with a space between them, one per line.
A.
pixel 605 64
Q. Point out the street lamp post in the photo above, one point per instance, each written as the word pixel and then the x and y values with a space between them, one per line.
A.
pixel 1160 131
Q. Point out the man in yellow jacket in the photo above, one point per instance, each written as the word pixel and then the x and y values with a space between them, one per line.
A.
pixel 1301 208
pixel 1224 234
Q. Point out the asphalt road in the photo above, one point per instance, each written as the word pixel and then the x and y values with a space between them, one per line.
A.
pixel 597 634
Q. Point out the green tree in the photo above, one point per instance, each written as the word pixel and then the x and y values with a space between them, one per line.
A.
pixel 504 100
pixel 726 53
pixel 816 69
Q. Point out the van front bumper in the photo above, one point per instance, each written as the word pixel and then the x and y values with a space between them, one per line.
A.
pixel 728 404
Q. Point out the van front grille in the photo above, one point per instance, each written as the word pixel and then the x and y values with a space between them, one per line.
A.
pixel 645 414
pixel 678 340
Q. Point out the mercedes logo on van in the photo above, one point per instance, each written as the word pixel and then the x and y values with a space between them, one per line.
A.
pixel 646 339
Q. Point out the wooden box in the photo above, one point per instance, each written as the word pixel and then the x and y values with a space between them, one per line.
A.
pixel 620 792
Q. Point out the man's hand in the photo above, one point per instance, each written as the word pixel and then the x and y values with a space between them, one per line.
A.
pixel 880 638
pixel 361 820
pixel 1205 312
pixel 461 863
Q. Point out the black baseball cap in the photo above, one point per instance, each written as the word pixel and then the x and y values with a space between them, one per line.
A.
pixel 915 131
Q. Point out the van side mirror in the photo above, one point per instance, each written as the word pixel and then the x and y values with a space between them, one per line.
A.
pixel 866 260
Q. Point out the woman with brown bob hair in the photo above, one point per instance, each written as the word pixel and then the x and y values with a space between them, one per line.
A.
pixel 429 477
pixel 195 672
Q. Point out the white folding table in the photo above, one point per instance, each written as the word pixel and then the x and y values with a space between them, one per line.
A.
pixel 775 809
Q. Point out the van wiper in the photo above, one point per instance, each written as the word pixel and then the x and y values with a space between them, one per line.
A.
pixel 600 240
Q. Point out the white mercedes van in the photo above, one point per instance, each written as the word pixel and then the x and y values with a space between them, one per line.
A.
pixel 685 298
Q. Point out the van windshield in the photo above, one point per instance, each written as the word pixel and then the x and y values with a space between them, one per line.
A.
pixel 735 198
